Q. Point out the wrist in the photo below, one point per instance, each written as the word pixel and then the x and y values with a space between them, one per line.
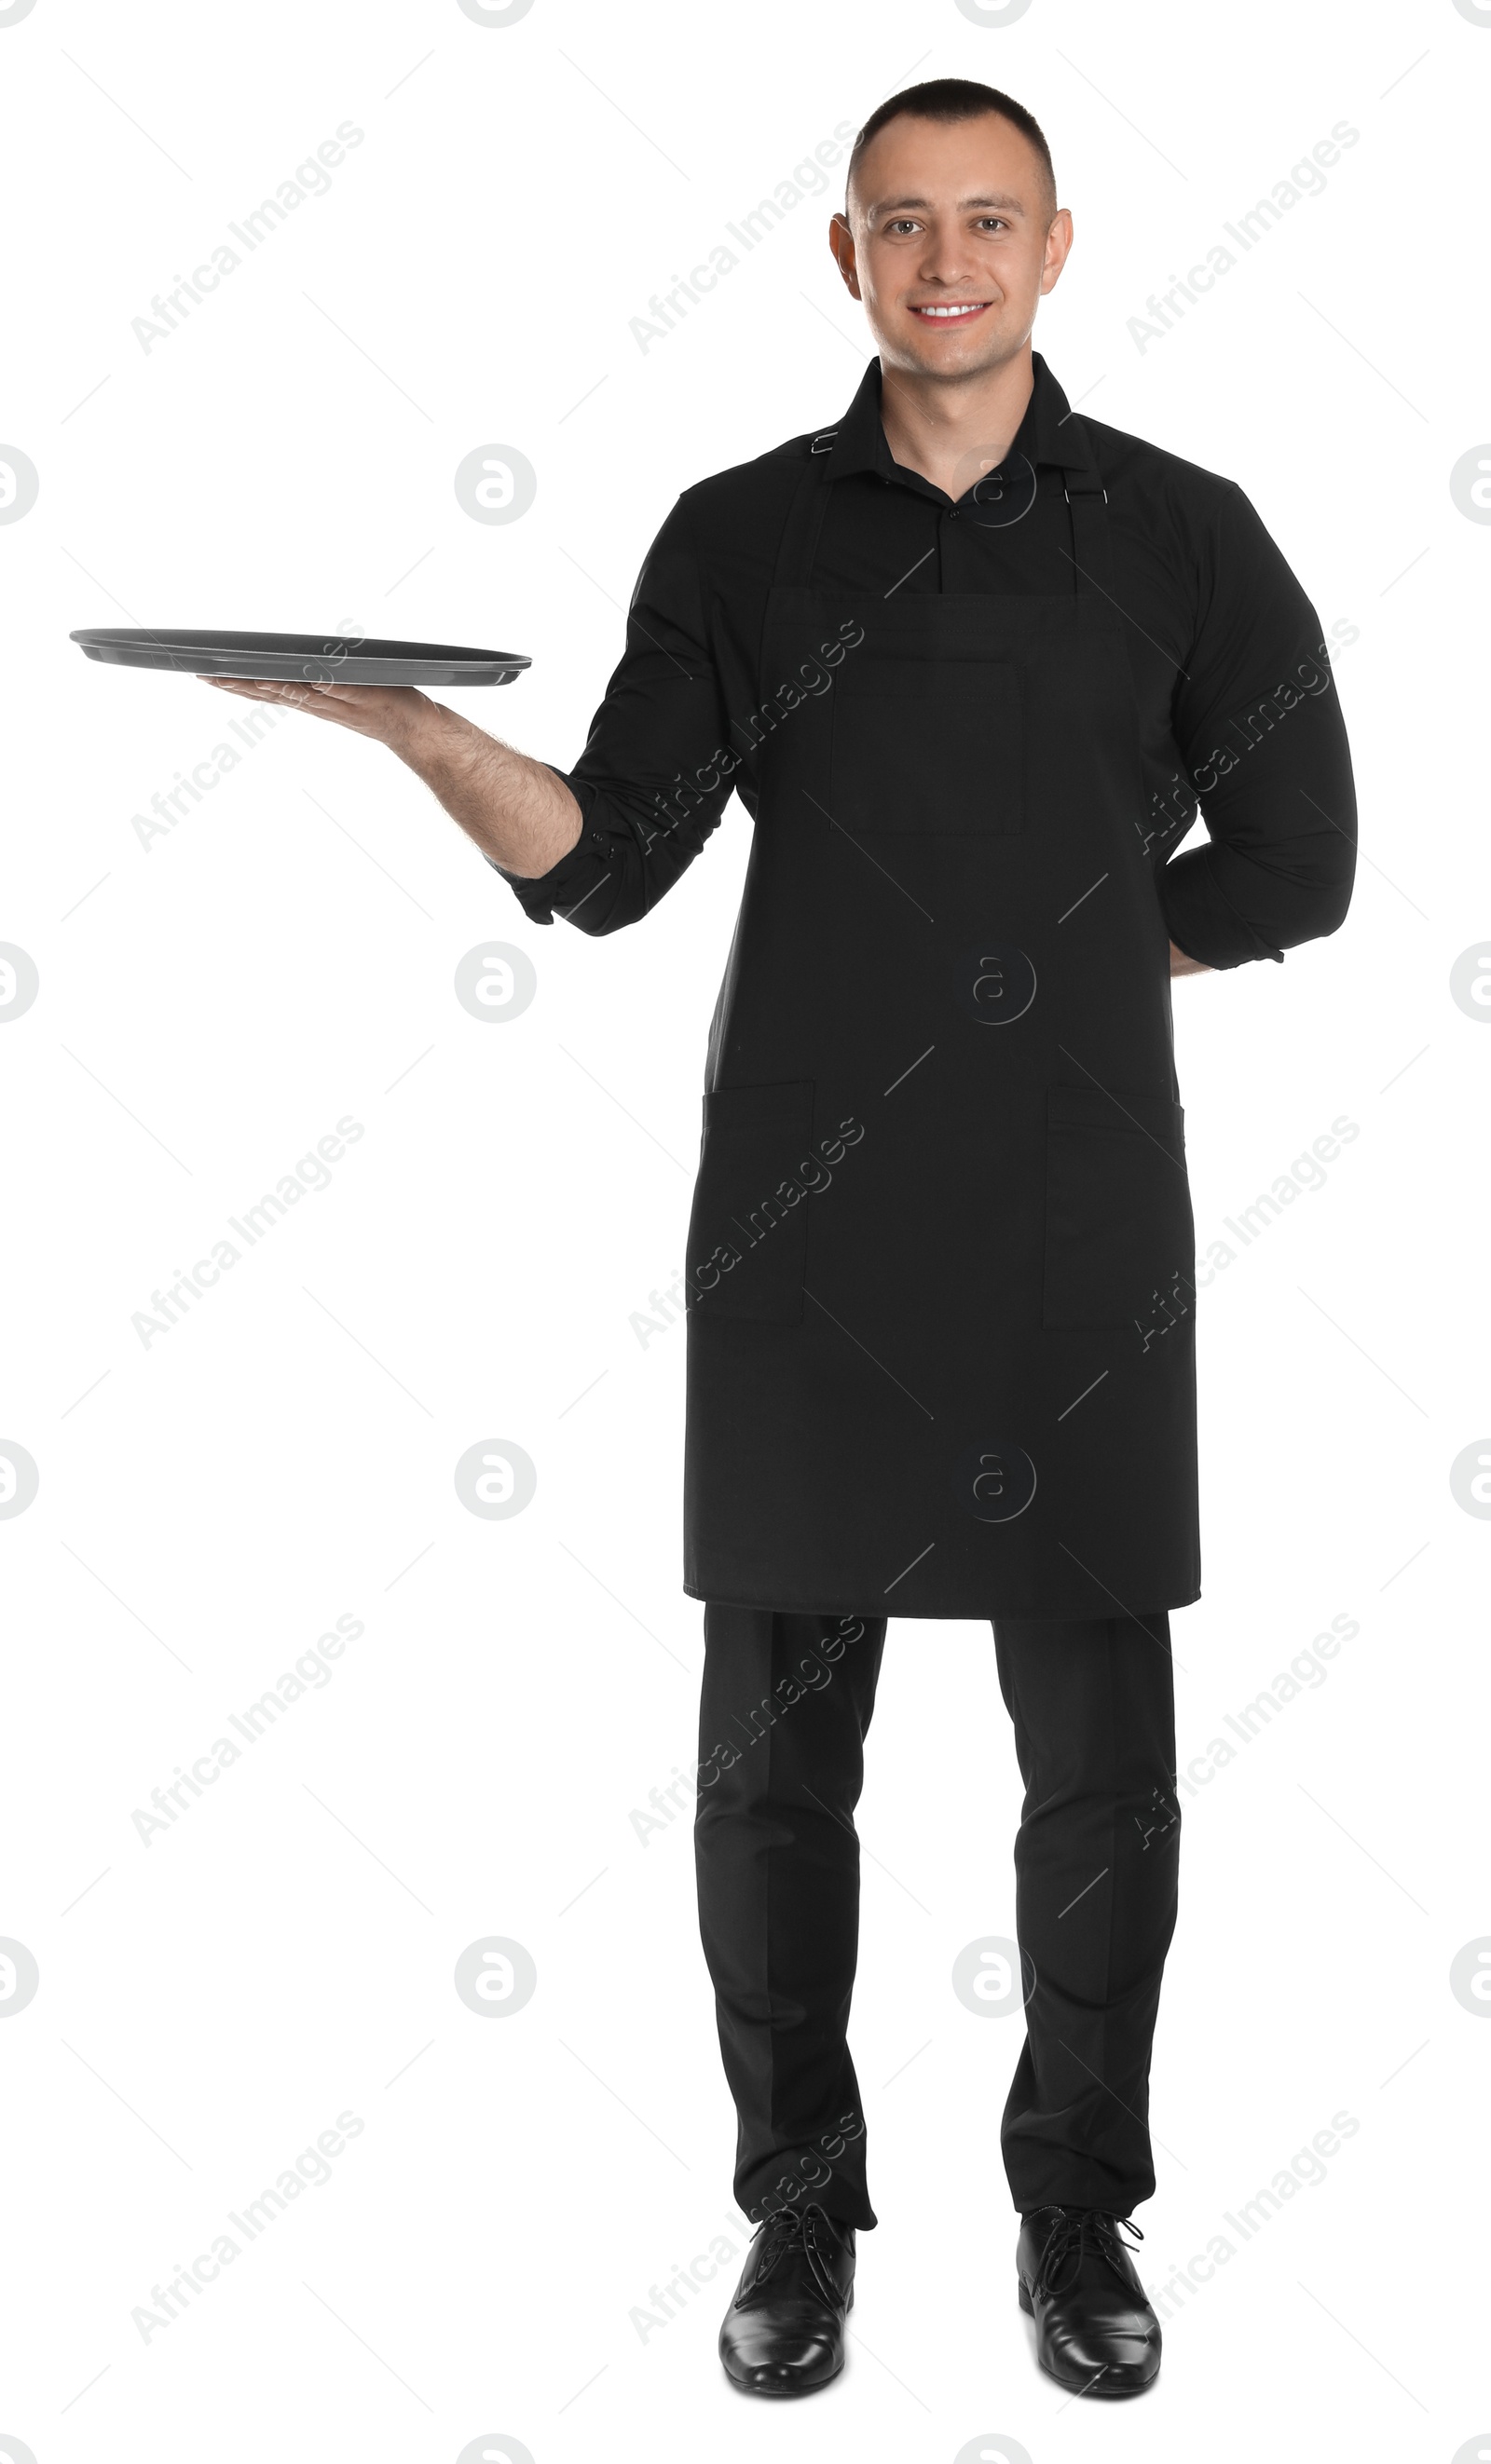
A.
pixel 412 724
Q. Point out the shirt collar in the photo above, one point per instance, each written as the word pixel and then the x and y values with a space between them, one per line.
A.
pixel 1049 432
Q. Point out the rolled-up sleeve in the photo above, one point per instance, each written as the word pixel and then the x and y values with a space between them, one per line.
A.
pixel 657 771
pixel 1261 730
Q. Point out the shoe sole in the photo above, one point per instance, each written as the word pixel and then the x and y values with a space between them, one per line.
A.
pixel 1080 2387
pixel 779 2394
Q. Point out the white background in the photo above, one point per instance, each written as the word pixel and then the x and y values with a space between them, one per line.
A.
pixel 208 1505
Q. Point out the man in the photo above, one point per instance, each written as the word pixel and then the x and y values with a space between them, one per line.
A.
pixel 967 658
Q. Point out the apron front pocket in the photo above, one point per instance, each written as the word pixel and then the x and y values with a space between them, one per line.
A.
pixel 928 747
pixel 1119 1222
pixel 747 1237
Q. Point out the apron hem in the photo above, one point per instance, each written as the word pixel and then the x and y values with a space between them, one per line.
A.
pixel 948 1616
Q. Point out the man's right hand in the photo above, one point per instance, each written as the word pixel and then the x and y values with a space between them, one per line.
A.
pixel 380 711
pixel 519 811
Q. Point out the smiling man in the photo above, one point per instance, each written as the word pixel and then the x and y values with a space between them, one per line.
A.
pixel 967 657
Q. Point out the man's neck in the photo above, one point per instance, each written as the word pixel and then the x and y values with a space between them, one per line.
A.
pixel 952 432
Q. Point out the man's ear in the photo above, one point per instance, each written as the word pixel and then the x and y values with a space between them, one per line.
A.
pixel 1058 247
pixel 842 243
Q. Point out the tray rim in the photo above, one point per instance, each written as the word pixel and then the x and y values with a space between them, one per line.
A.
pixel 164 653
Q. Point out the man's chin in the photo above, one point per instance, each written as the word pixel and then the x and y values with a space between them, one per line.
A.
pixel 949 363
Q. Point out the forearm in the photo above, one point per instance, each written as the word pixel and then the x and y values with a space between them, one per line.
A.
pixel 1277 866
pixel 518 811
pixel 1181 965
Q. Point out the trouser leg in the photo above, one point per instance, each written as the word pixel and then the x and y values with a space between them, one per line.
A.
pixel 786 1703
pixel 1093 1704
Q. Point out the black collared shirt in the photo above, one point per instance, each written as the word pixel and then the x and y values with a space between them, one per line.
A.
pixel 1235 697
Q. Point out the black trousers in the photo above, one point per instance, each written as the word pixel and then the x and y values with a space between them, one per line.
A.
pixel 786 1702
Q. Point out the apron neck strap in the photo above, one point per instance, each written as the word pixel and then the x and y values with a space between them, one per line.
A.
pixel 1092 543
pixel 799 545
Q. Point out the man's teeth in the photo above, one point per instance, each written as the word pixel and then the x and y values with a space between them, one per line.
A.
pixel 969 308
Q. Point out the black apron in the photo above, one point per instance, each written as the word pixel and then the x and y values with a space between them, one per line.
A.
pixel 941 1257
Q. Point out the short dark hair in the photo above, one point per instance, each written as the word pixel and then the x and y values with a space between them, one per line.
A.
pixel 949 99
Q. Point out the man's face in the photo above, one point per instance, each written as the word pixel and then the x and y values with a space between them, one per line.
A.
pixel 950 240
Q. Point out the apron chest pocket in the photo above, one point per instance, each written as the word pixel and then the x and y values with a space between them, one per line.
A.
pixel 931 747
pixel 747 1237
pixel 1119 1222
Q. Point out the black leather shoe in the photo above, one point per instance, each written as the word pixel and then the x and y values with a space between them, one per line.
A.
pixel 784 2332
pixel 1095 2330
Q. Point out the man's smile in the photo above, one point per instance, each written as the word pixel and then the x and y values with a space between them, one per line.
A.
pixel 949 312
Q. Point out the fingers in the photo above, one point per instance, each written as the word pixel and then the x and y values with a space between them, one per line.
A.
pixel 318 701
pixel 260 688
